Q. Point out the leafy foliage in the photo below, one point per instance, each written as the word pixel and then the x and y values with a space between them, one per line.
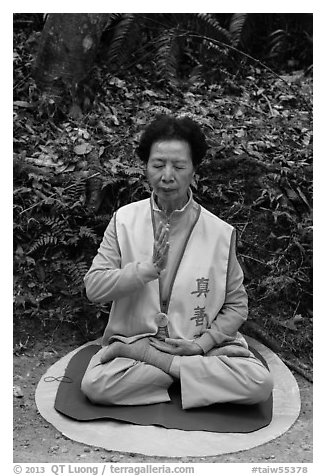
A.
pixel 163 38
pixel 180 44
pixel 237 23
pixel 71 175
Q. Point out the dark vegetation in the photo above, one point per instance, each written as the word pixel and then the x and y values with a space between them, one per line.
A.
pixel 247 80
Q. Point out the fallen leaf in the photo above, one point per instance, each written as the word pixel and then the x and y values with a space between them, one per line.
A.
pixel 83 149
pixel 150 93
pixel 297 318
pixel 292 323
pixel 66 168
pixel 22 104
pixel 83 133
pixel 42 161
pixel 114 119
pixel 141 120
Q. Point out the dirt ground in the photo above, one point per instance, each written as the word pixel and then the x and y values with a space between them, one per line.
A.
pixel 36 441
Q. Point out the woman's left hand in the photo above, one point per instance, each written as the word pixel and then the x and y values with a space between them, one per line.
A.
pixel 176 346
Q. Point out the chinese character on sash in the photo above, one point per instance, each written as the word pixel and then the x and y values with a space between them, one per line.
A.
pixel 202 287
pixel 199 315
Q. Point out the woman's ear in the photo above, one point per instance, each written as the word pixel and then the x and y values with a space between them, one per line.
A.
pixel 194 181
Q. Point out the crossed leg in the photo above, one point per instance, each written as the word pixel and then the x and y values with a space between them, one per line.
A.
pixel 204 380
pixel 124 381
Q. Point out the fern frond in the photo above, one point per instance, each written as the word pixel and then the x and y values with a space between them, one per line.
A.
pixel 76 191
pixel 237 23
pixel 49 221
pixel 113 19
pixel 69 312
pixel 210 46
pixel 56 224
pixel 167 54
pixel 87 232
pixel 210 27
pixel 76 271
pixel 57 204
pixel 199 28
pixel 165 34
pixel 102 219
pixel 84 232
pixel 123 38
pixel 277 42
pixel 46 239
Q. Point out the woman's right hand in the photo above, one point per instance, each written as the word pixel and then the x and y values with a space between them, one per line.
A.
pixel 161 247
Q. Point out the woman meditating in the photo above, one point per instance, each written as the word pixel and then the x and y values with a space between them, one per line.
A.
pixel 170 268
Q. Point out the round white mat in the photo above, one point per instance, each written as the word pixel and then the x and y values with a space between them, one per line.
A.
pixel 158 441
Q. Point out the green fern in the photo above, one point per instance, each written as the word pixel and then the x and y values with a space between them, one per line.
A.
pixel 84 232
pixel 123 32
pixel 76 192
pixel 69 312
pixel 167 54
pixel 45 240
pixel 76 272
pixel 56 224
pixel 205 25
pixel 278 41
pixel 167 36
pixel 237 24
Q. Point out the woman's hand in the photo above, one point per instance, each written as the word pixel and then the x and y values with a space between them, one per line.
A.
pixel 186 347
pixel 176 346
pixel 161 247
pixel 230 351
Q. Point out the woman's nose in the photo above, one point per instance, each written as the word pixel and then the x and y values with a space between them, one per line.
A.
pixel 167 175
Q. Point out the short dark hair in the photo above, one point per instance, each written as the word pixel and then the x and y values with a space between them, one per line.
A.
pixel 166 127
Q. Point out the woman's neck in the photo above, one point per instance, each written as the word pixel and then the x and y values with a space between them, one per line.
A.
pixel 169 207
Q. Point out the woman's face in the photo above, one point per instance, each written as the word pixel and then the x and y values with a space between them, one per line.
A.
pixel 170 172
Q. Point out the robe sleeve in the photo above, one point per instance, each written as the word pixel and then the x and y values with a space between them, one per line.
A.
pixel 106 281
pixel 234 311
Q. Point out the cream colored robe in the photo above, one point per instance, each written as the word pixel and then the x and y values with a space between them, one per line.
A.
pixel 201 291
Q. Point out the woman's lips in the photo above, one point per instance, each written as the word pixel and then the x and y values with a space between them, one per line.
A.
pixel 167 190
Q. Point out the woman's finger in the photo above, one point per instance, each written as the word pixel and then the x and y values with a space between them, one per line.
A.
pixel 176 342
pixel 159 228
pixel 162 256
pixel 232 351
pixel 159 232
pixel 109 353
pixel 161 246
pixel 162 346
pixel 162 233
pixel 164 249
